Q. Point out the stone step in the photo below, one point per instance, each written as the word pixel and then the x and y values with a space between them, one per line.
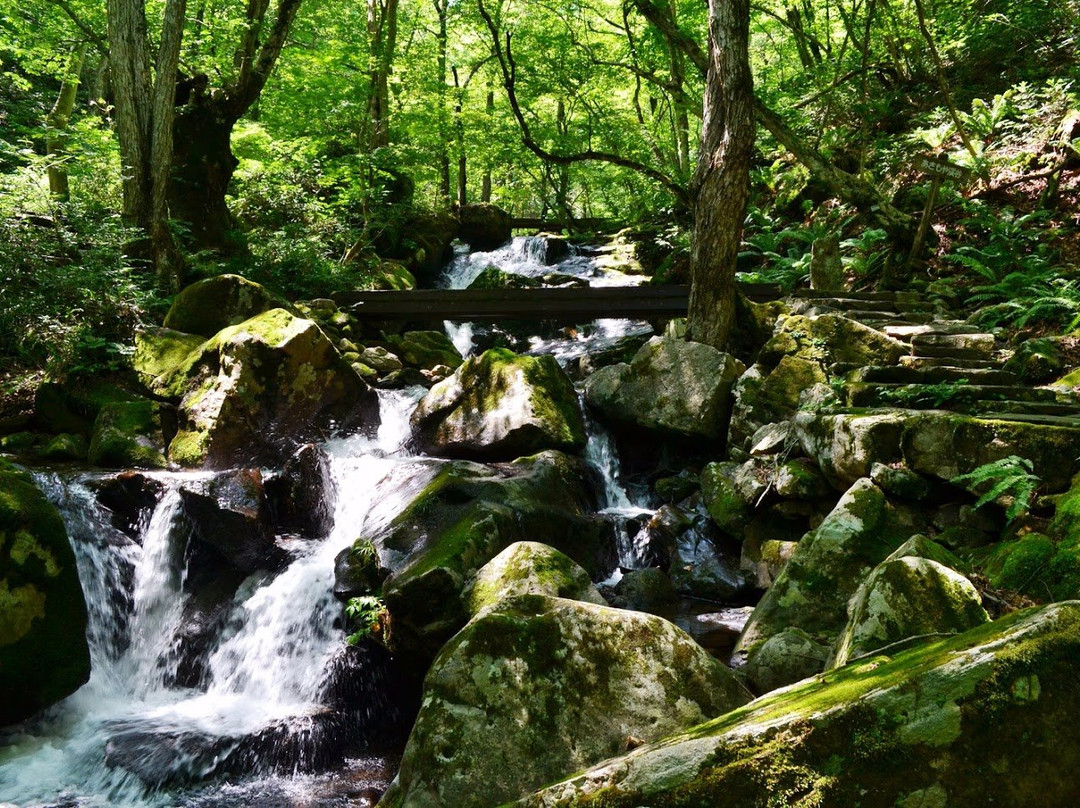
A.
pixel 1071 421
pixel 945 361
pixel 817 294
pixel 933 375
pixel 882 307
pixel 959 346
pixel 1026 409
pixel 905 333
pixel 948 396
pixel 874 321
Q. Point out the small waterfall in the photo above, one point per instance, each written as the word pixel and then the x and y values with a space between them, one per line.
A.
pixel 267 671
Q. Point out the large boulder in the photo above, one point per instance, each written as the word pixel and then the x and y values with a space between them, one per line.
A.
pixel 535 687
pixel 908 597
pixel 159 352
pixel 459 521
pixel 529 568
pixel 44 655
pixel 991 712
pixel 209 305
pixel 812 591
pixel 498 406
pixel 830 339
pixel 257 390
pixel 671 387
pixel 483 226
pixel 424 349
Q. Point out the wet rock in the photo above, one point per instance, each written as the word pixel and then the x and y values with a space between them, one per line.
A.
pixel 670 387
pixel 675 489
pixel 829 564
pixel 131 498
pixel 301 497
pixel 528 568
pixel 554 685
pixel 904 598
pixel 499 406
pixel 991 711
pixel 257 390
pixel 380 360
pixel 230 514
pixel 401 379
pixel 702 567
pixel 785 658
pixel 494 278
pixel 462 519
pixel 44 655
pixel 129 434
pixel 659 537
pixel 208 306
pixel 484 227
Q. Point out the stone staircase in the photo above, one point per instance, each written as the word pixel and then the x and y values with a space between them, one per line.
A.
pixel 952 365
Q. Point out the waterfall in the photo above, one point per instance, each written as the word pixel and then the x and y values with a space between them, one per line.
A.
pixel 265 673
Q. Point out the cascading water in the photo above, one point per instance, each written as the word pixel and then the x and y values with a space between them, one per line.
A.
pixel 269 667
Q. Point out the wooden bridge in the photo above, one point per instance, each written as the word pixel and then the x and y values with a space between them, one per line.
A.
pixel 579 304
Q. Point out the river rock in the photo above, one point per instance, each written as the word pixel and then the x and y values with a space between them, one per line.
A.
pixel 129 434
pixel 702 567
pixel 907 597
pixel 483 226
pixel 671 387
pixel 130 497
pixel 721 499
pixel 463 518
pixel 425 349
pixel 785 658
pixel 645 590
pixel 498 406
pixel 494 278
pixel 993 711
pixel 208 306
pixel 813 590
pixel 301 497
pixel 44 655
pixel 159 353
pixel 230 514
pixel 535 687
pixel 63 447
pixel 257 390
pixel 529 568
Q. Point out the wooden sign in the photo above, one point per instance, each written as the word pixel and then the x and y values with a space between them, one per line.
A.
pixel 941 169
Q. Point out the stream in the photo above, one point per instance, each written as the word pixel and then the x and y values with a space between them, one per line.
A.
pixel 278 698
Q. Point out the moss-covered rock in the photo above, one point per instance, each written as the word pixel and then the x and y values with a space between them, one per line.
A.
pixel 536 687
pixel 392 275
pixel 993 711
pixel 529 568
pixel 483 226
pixel 904 598
pixel 494 278
pixel 160 352
pixel 209 305
pixel 1037 361
pixel 645 590
pixel 785 658
pixel 463 517
pixel 257 390
pixel 829 564
pixel 63 447
pixel 498 406
pixel 424 349
pixel 830 339
pixel 670 387
pixel 44 655
pixel 128 435
pixel 723 502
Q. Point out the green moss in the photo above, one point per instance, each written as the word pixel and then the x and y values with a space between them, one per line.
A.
pixel 189 448
pixel 127 435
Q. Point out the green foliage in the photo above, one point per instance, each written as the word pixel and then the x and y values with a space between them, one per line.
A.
pixel 366 613
pixel 1010 478
pixel 927 395
pixel 78 295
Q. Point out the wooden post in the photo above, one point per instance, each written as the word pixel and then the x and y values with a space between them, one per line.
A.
pixel 924 223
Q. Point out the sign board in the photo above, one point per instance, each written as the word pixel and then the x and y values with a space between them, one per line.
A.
pixel 942 169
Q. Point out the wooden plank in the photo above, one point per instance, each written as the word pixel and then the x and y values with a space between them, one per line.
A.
pixel 574 304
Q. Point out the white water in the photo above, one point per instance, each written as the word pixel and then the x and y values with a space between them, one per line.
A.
pixel 268 665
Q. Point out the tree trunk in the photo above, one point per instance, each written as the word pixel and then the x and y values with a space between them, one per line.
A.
pixel 382 41
pixel 722 180
pixel 440 70
pixel 203 164
pixel 57 123
pixel 129 57
pixel 485 183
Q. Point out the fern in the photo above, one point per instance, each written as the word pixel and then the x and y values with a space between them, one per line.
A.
pixel 366 612
pixel 1010 478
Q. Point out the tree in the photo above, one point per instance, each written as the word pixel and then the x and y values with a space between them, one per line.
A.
pixel 721 184
pixel 203 162
pixel 144 121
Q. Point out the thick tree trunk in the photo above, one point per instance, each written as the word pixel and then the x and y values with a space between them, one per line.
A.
pixel 203 164
pixel 722 181
pixel 57 123
pixel 129 57
pixel 485 183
